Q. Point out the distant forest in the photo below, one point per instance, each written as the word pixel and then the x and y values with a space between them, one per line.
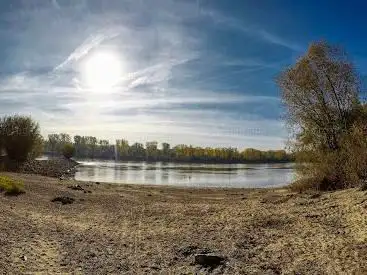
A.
pixel 91 147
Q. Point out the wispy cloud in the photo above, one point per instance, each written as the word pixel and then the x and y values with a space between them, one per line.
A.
pixel 169 88
pixel 86 46
pixel 251 30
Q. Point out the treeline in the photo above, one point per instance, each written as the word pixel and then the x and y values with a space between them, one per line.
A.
pixel 91 147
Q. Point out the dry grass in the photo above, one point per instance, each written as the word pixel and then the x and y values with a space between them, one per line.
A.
pixel 157 230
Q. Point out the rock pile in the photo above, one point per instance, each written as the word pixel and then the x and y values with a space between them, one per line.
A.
pixel 57 168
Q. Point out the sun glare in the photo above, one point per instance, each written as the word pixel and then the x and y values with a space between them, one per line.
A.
pixel 102 71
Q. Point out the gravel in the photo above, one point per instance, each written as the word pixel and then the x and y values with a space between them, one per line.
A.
pixel 55 168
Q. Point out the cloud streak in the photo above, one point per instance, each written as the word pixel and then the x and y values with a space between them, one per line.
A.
pixel 173 88
pixel 260 33
pixel 85 47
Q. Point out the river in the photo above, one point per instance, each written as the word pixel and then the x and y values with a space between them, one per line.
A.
pixel 186 174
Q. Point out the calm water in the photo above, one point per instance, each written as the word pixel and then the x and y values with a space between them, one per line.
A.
pixel 197 175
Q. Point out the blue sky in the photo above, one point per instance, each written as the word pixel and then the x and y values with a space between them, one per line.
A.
pixel 195 72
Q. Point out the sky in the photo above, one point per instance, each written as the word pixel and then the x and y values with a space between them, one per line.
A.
pixel 198 72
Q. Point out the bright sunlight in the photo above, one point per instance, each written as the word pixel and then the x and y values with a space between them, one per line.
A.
pixel 102 70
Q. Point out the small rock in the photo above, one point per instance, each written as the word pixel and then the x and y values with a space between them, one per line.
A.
pixel 97 182
pixel 311 215
pixel 63 200
pixel 24 258
pixel 208 260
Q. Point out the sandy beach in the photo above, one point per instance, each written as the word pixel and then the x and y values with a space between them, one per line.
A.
pixel 133 229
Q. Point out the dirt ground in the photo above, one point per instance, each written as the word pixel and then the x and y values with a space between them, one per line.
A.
pixel 129 229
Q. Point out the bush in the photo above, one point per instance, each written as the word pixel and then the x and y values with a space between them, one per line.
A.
pixel 10 186
pixel 68 150
pixel 18 134
pixel 337 169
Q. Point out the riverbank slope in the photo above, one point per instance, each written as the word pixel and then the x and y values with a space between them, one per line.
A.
pixel 126 229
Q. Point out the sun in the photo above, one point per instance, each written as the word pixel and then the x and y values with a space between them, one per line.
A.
pixel 101 71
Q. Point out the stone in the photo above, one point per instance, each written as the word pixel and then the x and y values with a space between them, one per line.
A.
pixel 63 200
pixel 209 260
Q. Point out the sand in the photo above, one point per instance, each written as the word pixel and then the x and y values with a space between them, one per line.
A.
pixel 133 229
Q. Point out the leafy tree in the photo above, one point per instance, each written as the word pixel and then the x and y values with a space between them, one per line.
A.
pixel 19 134
pixel 53 143
pixel 123 147
pixel 320 93
pixel 137 150
pixel 68 150
pixel 151 149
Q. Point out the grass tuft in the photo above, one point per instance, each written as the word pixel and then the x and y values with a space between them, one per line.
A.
pixel 10 186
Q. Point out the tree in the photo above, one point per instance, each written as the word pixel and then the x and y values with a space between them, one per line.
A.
pixel 77 142
pixel 19 134
pixel 151 149
pixel 64 138
pixel 68 150
pixel 123 147
pixel 54 141
pixel 251 154
pixel 137 150
pixel 166 150
pixel 320 94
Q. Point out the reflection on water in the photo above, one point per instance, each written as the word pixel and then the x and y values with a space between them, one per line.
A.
pixel 198 175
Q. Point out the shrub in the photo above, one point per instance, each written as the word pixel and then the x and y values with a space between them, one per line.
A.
pixel 68 150
pixel 337 169
pixel 19 134
pixel 10 186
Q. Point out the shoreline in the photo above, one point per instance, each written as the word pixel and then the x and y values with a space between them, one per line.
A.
pixel 135 229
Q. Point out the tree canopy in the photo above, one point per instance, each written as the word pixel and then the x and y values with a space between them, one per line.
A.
pixel 19 135
pixel 321 97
